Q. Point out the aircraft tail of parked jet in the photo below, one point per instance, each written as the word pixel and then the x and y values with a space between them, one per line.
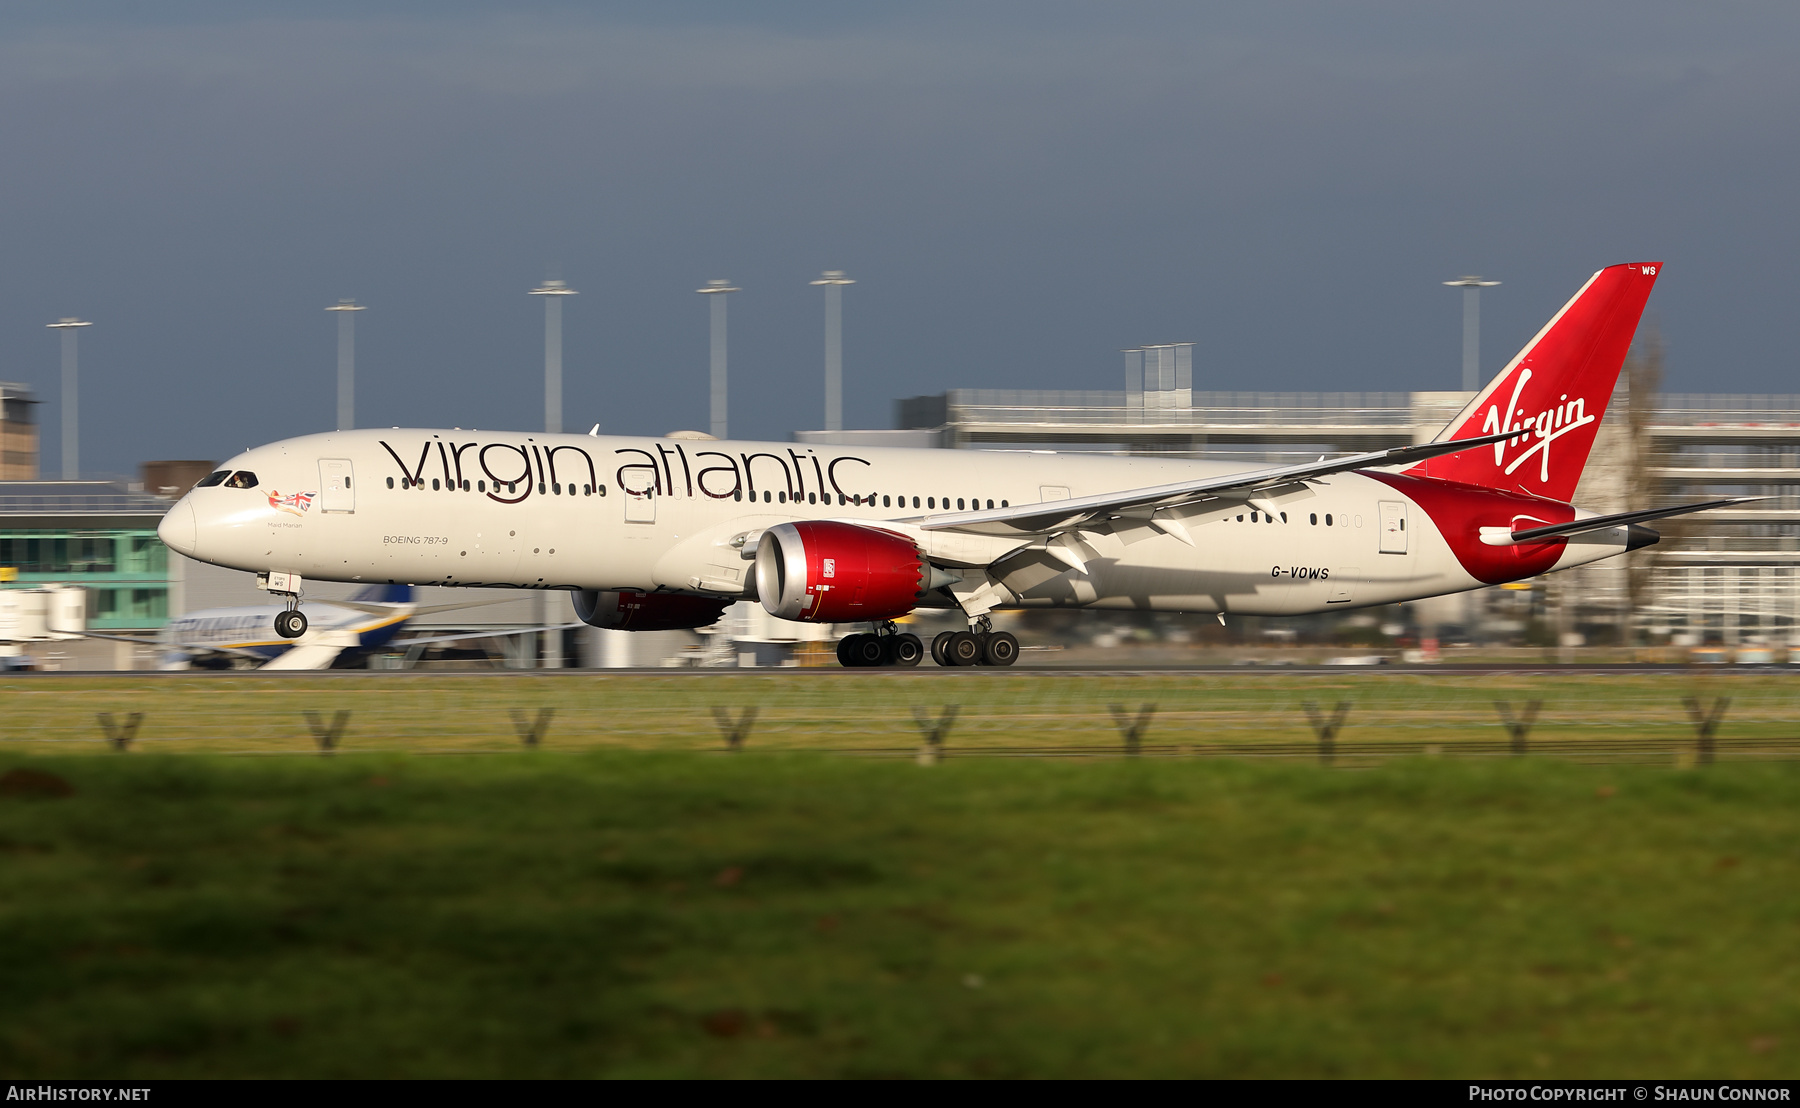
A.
pixel 1553 393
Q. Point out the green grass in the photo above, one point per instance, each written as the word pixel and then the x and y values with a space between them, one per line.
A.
pixel 872 710
pixel 678 913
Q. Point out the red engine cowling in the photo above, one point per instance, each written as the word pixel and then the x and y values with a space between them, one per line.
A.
pixel 625 610
pixel 824 572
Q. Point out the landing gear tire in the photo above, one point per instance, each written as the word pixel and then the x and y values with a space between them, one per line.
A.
pixel 939 645
pixel 963 649
pixel 905 650
pixel 1002 649
pixel 843 652
pixel 290 624
pixel 867 650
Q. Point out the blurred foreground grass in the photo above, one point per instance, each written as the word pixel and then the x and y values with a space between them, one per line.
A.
pixel 872 710
pixel 677 913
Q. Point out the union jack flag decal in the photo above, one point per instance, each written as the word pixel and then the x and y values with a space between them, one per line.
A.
pixel 294 503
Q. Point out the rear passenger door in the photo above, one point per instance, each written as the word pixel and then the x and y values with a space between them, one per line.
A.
pixel 1393 527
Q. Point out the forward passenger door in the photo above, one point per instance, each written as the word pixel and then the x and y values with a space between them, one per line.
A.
pixel 337 492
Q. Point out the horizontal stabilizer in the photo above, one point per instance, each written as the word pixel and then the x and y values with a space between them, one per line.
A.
pixel 1602 523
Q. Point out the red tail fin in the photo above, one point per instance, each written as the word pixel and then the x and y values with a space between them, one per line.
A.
pixel 1554 392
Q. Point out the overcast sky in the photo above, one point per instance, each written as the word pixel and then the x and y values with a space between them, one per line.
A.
pixel 1019 189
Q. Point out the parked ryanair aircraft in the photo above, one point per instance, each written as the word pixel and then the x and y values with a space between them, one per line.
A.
pixel 220 638
pixel 663 533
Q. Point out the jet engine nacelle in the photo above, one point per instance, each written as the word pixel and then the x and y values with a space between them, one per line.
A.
pixel 625 610
pixel 818 571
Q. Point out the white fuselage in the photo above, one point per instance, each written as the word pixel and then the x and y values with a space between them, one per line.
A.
pixel 576 511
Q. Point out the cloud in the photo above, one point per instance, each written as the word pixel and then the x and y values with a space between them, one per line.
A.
pixel 1021 189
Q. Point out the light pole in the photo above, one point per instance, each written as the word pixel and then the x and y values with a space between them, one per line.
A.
pixel 834 282
pixel 717 290
pixel 346 419
pixel 1471 382
pixel 1471 286
pixel 71 423
pixel 553 291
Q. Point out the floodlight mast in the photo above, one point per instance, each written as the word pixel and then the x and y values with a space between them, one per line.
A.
pixel 71 423
pixel 346 408
pixel 717 290
pixel 553 291
pixel 1471 369
pixel 834 282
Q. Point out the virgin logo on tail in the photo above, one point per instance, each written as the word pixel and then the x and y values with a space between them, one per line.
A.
pixel 1546 427
pixel 1556 389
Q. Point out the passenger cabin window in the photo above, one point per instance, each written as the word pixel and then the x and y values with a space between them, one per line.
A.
pixel 216 477
pixel 390 482
pixel 242 479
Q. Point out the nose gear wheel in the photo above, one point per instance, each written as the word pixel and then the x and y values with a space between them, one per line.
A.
pixel 290 624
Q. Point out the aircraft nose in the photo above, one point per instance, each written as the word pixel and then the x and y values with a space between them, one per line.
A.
pixel 178 530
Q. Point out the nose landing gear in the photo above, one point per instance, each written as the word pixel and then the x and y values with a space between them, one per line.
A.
pixel 289 624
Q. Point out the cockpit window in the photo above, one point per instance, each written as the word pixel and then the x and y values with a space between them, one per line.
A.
pixel 212 478
pixel 242 479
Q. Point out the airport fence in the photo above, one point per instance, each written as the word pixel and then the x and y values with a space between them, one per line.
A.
pixel 1341 718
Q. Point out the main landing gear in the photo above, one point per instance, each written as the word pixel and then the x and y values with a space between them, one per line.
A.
pixel 887 647
pixel 981 645
pixel 975 648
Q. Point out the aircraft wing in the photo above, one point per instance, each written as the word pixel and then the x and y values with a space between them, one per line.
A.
pixel 1252 487
pixel 309 656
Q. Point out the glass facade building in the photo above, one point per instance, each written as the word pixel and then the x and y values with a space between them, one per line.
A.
pixel 100 535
